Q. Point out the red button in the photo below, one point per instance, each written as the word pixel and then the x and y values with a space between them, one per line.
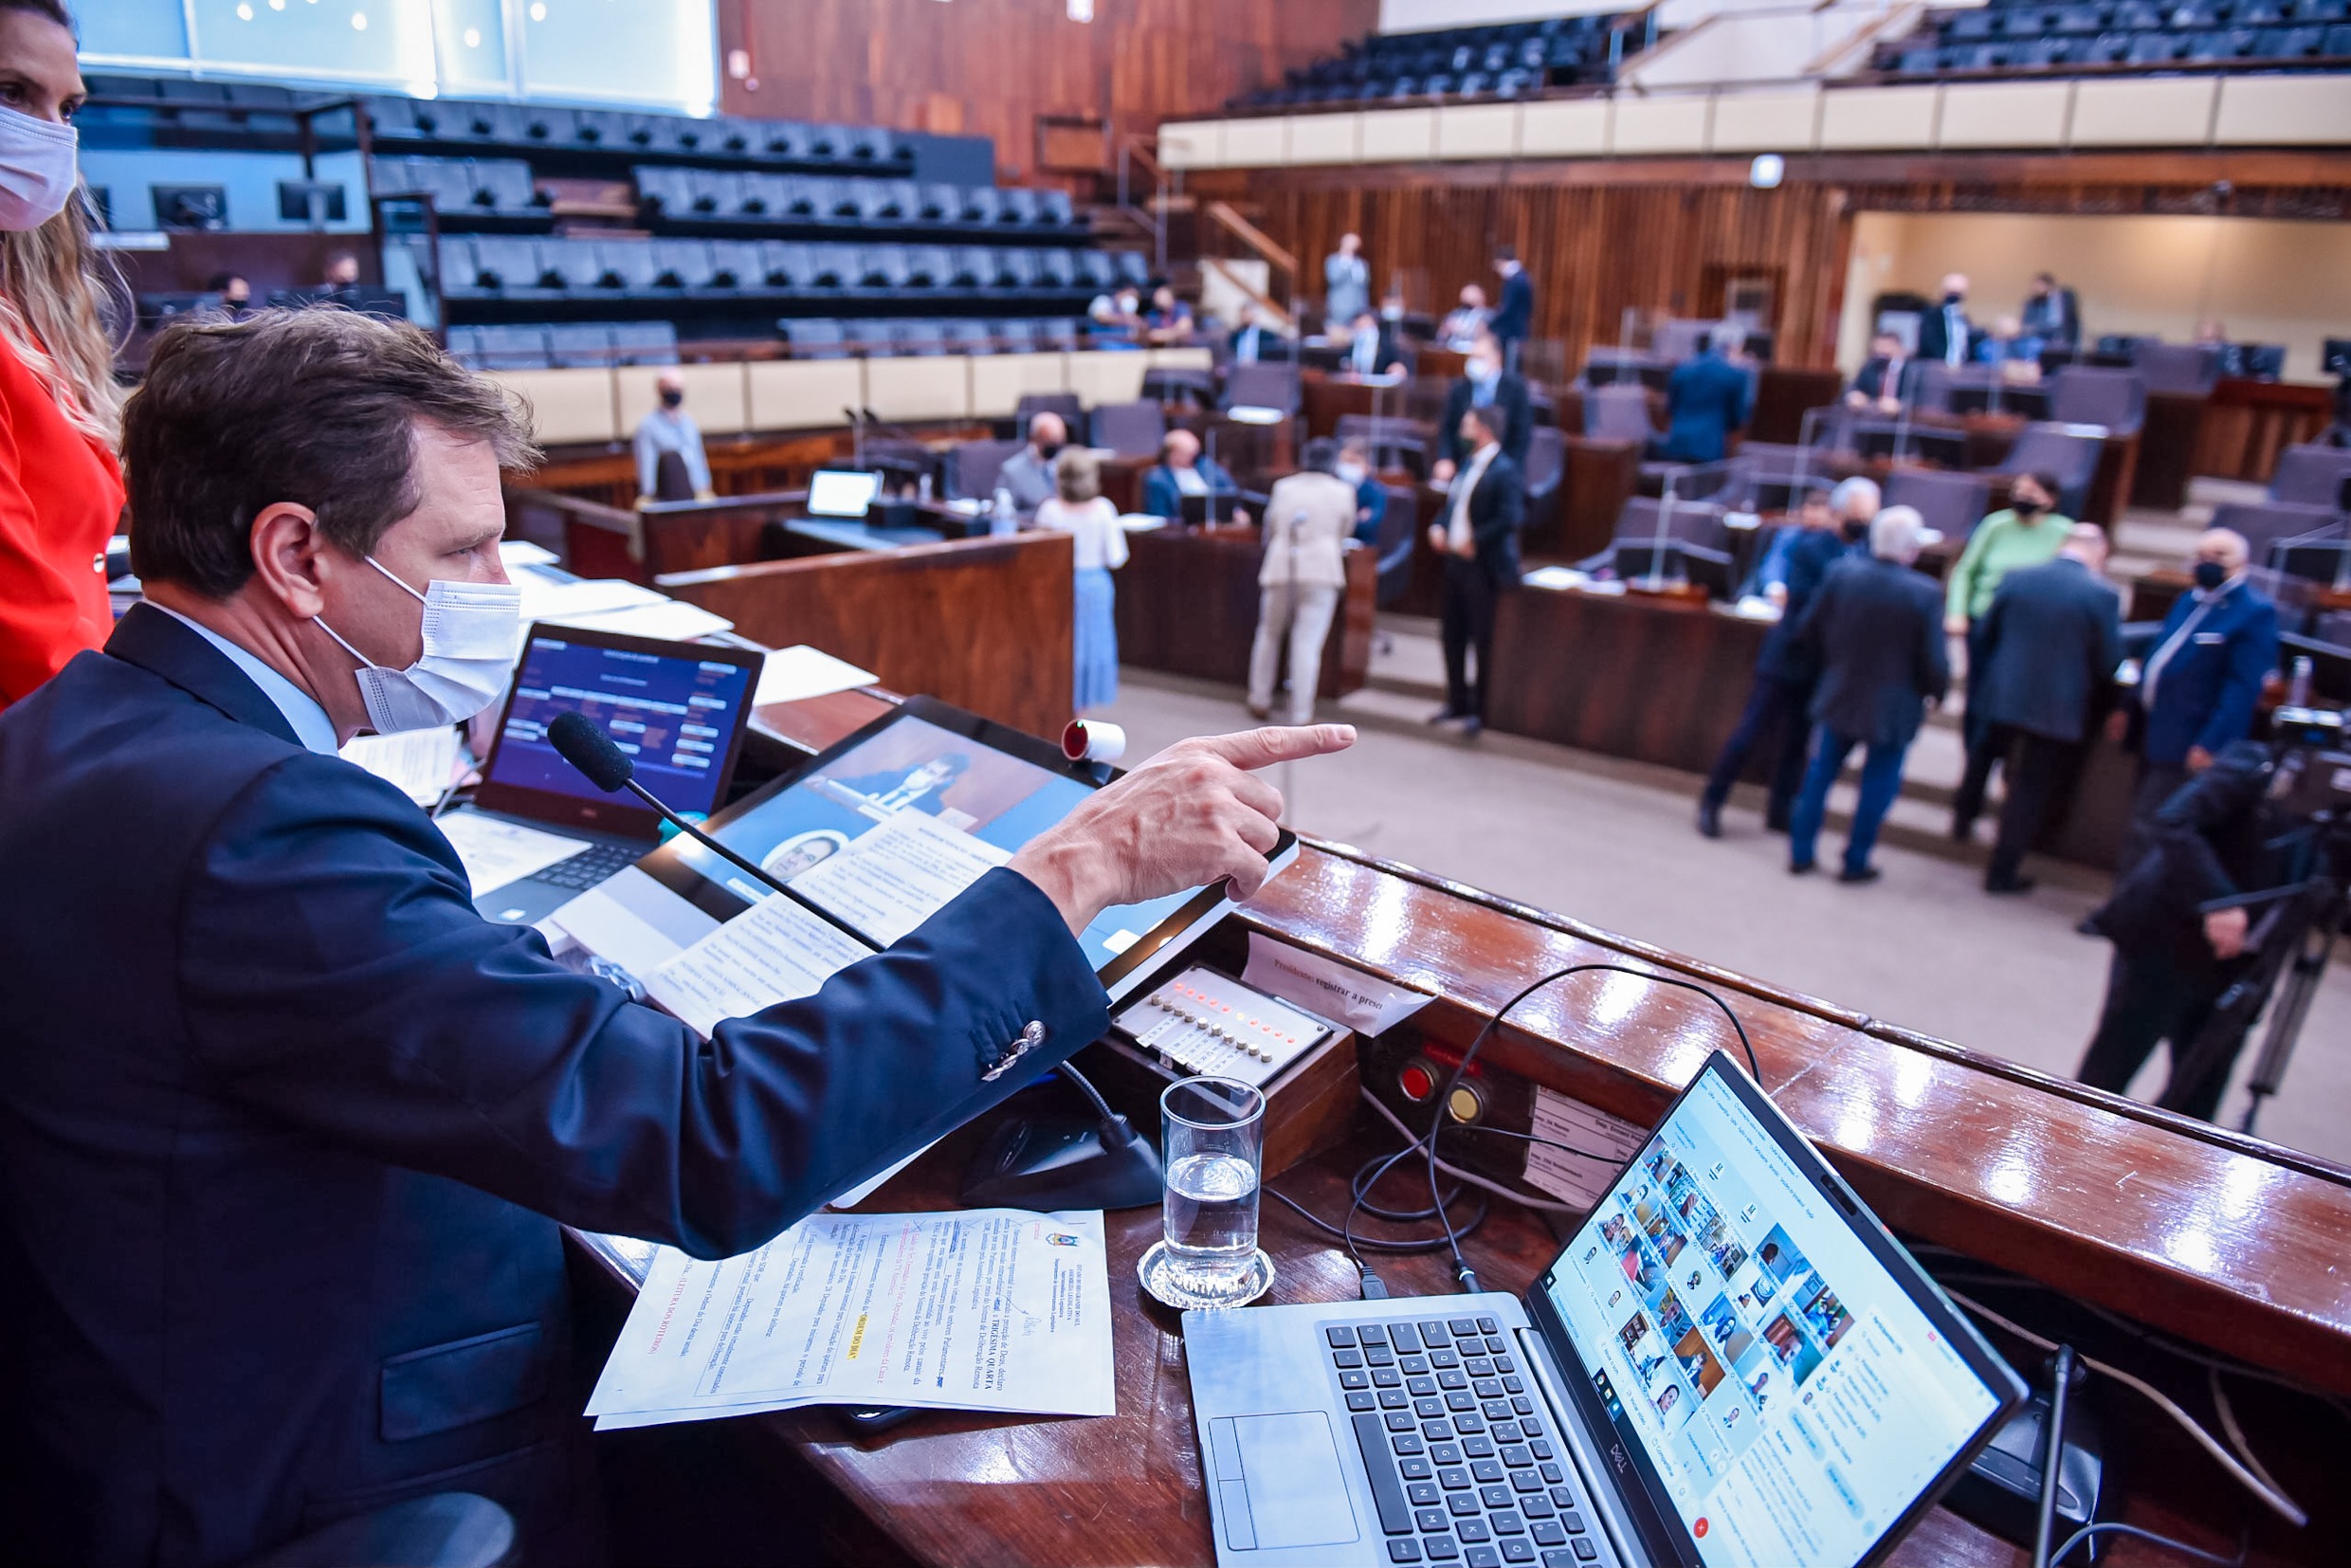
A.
pixel 1699 1529
pixel 1416 1082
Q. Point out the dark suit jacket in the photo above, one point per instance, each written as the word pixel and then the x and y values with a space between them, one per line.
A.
pixel 1876 629
pixel 1870 380
pixel 1497 512
pixel 1935 334
pixel 2050 643
pixel 2207 842
pixel 1272 348
pixel 1390 354
pixel 2055 318
pixel 1518 412
pixel 1514 314
pixel 1810 560
pixel 1164 498
pixel 290 1127
pixel 2208 688
pixel 1705 400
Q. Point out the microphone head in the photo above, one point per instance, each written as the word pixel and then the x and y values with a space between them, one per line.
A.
pixel 579 741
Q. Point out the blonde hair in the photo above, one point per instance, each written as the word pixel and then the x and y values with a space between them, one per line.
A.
pixel 1076 476
pixel 51 281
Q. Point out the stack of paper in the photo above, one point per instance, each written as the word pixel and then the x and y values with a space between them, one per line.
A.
pixel 608 604
pixel 420 762
pixel 994 1309
pixel 798 673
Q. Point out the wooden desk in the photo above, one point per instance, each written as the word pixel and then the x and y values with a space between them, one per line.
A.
pixel 2169 443
pixel 1325 397
pixel 2218 1239
pixel 1187 600
pixel 2247 423
pixel 1783 394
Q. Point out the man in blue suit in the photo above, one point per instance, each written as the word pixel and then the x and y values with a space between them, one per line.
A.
pixel 290 1128
pixel 1705 400
pixel 2201 680
pixel 1875 631
pixel 1183 472
pixel 1514 316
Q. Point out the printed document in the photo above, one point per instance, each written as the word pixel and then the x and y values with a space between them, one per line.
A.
pixel 795 674
pixel 773 952
pixel 898 875
pixel 419 762
pixel 995 1309
pixel 496 853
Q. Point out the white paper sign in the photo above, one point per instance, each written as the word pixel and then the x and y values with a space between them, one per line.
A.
pixel 1573 1176
pixel 1327 988
pixel 795 674
pixel 996 1309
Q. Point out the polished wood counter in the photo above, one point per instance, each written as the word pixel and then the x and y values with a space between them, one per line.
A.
pixel 1187 600
pixel 982 623
pixel 2215 1238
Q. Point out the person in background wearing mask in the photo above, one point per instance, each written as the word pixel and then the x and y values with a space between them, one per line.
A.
pixel 2011 347
pixel 1169 320
pixel 1872 632
pixel 1484 384
pixel 1944 331
pixel 2051 640
pixel 1029 473
pixel 1260 341
pixel 1705 400
pixel 1182 471
pixel 1098 546
pixel 1373 349
pixel 2201 680
pixel 1346 282
pixel 236 295
pixel 669 433
pixel 276 1089
pixel 1478 535
pixel 1371 497
pixel 1882 381
pixel 2052 314
pixel 61 492
pixel 342 273
pixel 1831 529
pixel 1309 518
pixel 1514 319
pixel 2028 532
pixel 1467 322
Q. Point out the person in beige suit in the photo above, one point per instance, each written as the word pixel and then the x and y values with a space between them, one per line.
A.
pixel 1308 519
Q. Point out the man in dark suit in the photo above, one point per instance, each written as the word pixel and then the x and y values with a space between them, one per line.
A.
pixel 1259 341
pixel 1484 384
pixel 291 1126
pixel 1944 331
pixel 1478 535
pixel 1882 382
pixel 1373 348
pixel 1705 400
pixel 2050 642
pixel 2052 314
pixel 1875 629
pixel 1831 529
pixel 2201 680
pixel 1514 316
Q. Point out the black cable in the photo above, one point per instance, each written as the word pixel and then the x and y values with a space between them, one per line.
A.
pixel 2053 1460
pixel 1546 1143
pixel 2117 1527
pixel 1462 1272
pixel 1369 1244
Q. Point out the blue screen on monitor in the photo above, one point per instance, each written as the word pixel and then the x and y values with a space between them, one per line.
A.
pixel 674 717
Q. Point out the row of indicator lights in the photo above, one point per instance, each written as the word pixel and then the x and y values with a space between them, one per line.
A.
pixel 1217 1028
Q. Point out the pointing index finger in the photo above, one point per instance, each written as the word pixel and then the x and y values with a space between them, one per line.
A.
pixel 1262 748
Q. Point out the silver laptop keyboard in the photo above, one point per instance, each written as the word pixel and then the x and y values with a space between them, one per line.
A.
pixel 1462 1463
pixel 591 866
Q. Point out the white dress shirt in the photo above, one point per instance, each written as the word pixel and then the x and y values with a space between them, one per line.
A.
pixel 1458 533
pixel 307 720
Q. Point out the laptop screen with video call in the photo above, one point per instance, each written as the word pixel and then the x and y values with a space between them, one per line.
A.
pixel 842 493
pixel 1788 1395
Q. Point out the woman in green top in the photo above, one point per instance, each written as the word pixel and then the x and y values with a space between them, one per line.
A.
pixel 2029 533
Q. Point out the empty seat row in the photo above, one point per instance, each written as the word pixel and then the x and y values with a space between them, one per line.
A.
pixel 721 139
pixel 675 195
pixel 525 348
pixel 2254 46
pixel 1506 60
pixel 2095 16
pixel 490 187
pixel 486 268
pixel 826 337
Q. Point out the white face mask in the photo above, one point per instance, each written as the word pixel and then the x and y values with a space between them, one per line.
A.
pixel 470 630
pixel 37 169
pixel 1351 472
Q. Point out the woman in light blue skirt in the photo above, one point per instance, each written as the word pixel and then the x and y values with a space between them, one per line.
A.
pixel 1098 544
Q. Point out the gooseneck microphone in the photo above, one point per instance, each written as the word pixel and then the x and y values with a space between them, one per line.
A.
pixel 580 741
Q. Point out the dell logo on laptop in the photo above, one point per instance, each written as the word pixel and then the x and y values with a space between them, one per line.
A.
pixel 1617 1457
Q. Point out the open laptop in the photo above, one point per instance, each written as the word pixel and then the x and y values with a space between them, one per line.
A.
pixel 841 492
pixel 537 833
pixel 1731 1363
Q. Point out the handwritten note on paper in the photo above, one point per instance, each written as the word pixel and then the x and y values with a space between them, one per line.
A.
pixel 899 875
pixel 773 952
pixel 1328 987
pixel 988 1309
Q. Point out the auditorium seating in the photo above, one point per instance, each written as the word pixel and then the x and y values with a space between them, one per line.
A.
pixel 529 347
pixel 1505 61
pixel 2009 37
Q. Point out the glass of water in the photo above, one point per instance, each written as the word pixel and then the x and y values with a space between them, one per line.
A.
pixel 1213 1146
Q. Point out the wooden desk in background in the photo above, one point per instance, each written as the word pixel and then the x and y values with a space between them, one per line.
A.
pixel 1325 396
pixel 2219 1240
pixel 1187 600
pixel 2247 423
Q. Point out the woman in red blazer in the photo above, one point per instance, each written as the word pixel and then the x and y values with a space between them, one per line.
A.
pixel 61 493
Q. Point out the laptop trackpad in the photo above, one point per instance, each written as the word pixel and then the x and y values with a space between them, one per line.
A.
pixel 1296 1491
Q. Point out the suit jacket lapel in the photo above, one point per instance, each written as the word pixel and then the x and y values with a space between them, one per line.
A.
pixel 160 645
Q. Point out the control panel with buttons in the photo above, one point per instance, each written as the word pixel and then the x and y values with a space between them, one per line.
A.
pixel 1203 1022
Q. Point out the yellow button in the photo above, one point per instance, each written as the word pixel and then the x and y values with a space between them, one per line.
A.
pixel 1464 1104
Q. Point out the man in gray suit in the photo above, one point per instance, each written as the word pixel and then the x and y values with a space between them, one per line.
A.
pixel 1346 284
pixel 2051 640
pixel 1029 473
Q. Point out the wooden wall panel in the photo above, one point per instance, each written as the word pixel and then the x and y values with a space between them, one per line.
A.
pixel 984 624
pixel 991 68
